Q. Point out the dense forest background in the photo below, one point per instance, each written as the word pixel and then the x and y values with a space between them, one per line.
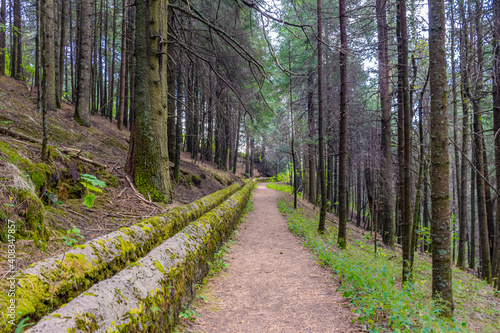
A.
pixel 384 112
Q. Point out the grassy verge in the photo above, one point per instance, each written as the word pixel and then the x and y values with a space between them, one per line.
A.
pixel 372 283
pixel 283 188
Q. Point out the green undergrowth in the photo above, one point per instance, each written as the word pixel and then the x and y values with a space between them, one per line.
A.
pixel 29 187
pixel 372 283
pixel 283 188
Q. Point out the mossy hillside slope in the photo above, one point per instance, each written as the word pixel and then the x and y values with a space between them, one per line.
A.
pixel 148 295
pixel 47 284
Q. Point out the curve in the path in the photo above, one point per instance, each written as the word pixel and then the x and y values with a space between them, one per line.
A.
pixel 272 283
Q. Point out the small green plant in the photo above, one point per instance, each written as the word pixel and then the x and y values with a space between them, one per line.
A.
pixel 91 184
pixel 20 327
pixel 71 236
pixel 188 313
pixel 217 264
pixel 53 199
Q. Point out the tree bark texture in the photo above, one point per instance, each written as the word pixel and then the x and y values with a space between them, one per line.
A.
pixel 48 52
pixel 16 54
pixel 150 169
pixel 465 93
pixel 440 224
pixel 496 119
pixel 321 162
pixel 385 106
pixel 3 21
pixel 343 206
pixel 123 66
pixel 82 110
pixel 62 54
pixel 171 90
pixel 404 139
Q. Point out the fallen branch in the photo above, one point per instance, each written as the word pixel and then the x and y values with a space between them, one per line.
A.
pixel 119 195
pixel 71 152
pixel 9 132
pixel 68 151
pixel 139 195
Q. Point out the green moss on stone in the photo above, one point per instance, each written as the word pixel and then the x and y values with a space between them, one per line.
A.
pixel 84 273
pixel 87 322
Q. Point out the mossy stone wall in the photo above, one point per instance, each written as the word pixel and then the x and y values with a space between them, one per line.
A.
pixel 48 284
pixel 148 295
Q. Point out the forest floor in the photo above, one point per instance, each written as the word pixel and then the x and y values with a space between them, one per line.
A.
pixel 271 284
pixel 118 206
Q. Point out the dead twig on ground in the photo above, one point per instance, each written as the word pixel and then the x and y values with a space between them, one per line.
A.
pixel 137 194
pixel 14 134
pixel 75 153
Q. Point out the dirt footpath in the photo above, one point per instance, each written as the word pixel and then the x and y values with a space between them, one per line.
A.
pixel 272 283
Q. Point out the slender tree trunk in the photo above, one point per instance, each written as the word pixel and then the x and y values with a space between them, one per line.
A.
pixel 358 196
pixel 48 60
pixel 97 57
pixel 210 124
pixel 292 143
pixel 472 247
pixel 235 161
pixel 311 153
pixel 131 149
pixel 421 169
pixel 178 125
pixel 440 224
pixel 480 161
pixel 425 203
pixel 343 206
pixel 321 162
pixel 121 109
pixel 38 63
pixel 247 151
pixel 476 102
pixel 17 57
pixel 2 36
pixel 462 224
pixel 103 86
pixel 171 90
pixel 196 111
pixel 385 106
pixel 487 193
pixel 62 54
pixel 73 48
pixel 465 93
pixel 335 185
pixel 404 140
pixel 188 126
pixel 496 120
pixel 82 110
pixel 111 78
pixel 252 155
pixel 481 204
pixel 47 27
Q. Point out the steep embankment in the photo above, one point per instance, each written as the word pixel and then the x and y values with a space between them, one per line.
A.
pixel 43 200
